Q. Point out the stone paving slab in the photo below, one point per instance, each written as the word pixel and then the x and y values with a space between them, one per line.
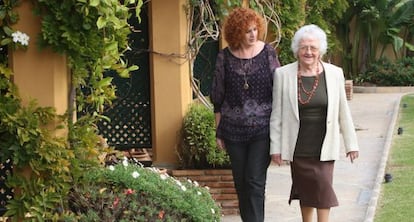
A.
pixel 357 185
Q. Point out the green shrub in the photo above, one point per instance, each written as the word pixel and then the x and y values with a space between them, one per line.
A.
pixel 42 162
pixel 129 192
pixel 388 73
pixel 198 148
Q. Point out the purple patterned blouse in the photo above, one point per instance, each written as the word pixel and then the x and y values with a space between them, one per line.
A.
pixel 245 111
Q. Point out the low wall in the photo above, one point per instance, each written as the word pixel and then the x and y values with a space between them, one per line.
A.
pixel 220 183
pixel 383 89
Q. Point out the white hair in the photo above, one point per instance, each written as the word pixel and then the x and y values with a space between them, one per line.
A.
pixel 309 31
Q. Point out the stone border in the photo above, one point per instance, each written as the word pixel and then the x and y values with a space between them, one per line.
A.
pixel 383 89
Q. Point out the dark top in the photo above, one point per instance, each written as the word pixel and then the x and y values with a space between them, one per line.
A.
pixel 245 113
pixel 312 116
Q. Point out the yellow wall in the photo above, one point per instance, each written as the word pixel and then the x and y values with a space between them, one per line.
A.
pixel 171 92
pixel 40 75
pixel 43 75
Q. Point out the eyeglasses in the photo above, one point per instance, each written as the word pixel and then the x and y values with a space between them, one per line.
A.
pixel 305 48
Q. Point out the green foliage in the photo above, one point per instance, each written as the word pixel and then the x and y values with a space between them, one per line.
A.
pixel 378 25
pixel 292 16
pixel 40 197
pixel 295 13
pixel 50 152
pixel 129 192
pixel 394 203
pixel 224 6
pixel 326 14
pixel 23 140
pixel 198 148
pixel 388 73
pixel 8 17
pixel 94 36
pixel 45 165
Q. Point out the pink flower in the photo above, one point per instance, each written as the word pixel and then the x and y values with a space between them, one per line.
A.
pixel 116 202
pixel 129 191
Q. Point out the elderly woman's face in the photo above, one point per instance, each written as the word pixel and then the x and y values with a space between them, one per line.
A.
pixel 308 53
pixel 250 37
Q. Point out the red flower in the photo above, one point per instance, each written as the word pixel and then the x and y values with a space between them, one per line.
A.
pixel 161 214
pixel 129 191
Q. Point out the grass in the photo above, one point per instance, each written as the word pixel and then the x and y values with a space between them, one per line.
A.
pixel 396 201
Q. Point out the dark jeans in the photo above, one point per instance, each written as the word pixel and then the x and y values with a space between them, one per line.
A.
pixel 250 161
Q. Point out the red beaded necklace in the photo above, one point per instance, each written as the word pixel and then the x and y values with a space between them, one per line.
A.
pixel 309 93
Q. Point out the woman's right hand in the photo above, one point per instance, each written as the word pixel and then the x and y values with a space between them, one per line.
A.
pixel 220 144
pixel 277 158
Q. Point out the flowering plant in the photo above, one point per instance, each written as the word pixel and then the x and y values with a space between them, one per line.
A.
pixel 130 192
pixel 20 38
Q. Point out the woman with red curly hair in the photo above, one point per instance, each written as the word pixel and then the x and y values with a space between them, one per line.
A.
pixel 242 97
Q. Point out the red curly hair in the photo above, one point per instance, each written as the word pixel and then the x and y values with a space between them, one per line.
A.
pixel 237 24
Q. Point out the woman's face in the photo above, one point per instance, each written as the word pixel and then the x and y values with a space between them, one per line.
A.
pixel 309 53
pixel 250 37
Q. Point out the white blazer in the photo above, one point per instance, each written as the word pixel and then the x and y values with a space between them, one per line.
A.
pixel 284 120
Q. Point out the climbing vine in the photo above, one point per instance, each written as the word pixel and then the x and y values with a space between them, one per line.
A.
pixel 94 35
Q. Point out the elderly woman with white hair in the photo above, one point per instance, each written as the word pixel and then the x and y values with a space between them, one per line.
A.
pixel 309 114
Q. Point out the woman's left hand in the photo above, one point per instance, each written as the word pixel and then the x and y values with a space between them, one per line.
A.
pixel 352 155
pixel 220 144
pixel 277 158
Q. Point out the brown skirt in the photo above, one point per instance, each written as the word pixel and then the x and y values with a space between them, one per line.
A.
pixel 312 182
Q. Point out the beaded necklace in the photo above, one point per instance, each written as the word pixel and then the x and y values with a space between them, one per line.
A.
pixel 309 93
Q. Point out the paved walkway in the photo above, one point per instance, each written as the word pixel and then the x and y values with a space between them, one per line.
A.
pixel 357 185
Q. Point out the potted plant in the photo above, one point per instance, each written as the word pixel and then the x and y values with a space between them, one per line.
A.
pixel 198 149
pixel 201 160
